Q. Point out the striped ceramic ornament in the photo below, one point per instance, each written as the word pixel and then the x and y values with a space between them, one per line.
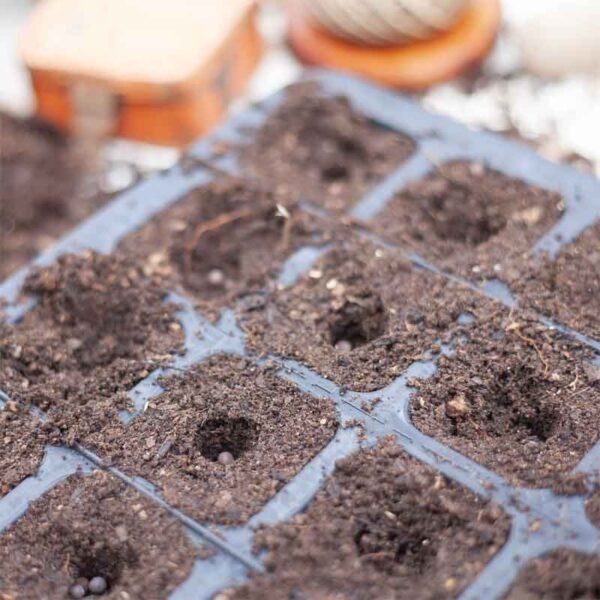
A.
pixel 385 22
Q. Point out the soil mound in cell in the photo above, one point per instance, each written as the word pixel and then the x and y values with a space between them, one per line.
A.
pixel 94 526
pixel 320 149
pixel 361 316
pixel 98 327
pixel 470 220
pixel 567 289
pixel 382 523
pixel 560 575
pixel 514 396
pixel 221 439
pixel 226 239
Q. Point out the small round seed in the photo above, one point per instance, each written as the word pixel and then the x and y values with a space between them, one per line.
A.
pixel 216 277
pixel 225 458
pixel 77 591
pixel 98 585
pixel 343 346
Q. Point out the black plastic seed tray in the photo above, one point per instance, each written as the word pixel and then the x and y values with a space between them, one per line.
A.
pixel 560 520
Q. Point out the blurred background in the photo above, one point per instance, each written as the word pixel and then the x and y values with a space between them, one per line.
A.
pixel 527 68
pixel 559 114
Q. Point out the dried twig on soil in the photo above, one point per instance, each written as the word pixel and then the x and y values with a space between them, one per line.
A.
pixel 219 221
pixel 515 327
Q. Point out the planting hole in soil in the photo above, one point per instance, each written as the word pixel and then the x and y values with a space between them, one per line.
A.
pixel 223 436
pixel 381 523
pixel 356 319
pixel 322 150
pixel 469 219
pixel 457 213
pixel 377 311
pixel 98 300
pixel 210 255
pixel 415 549
pixel 98 569
pixel 515 397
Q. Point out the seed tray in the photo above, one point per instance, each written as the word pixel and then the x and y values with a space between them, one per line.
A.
pixel 541 519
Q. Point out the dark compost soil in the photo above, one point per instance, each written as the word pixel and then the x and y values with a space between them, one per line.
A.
pixel 516 397
pixel 323 151
pixel 99 326
pixel 22 440
pixel 383 526
pixel 567 289
pixel 45 190
pixel 223 437
pixel 360 316
pixel 94 526
pixel 469 220
pixel 560 575
pixel 224 405
pixel 225 239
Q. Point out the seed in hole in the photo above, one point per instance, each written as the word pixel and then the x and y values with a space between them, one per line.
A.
pixel 233 435
pixel 343 346
pixel 77 591
pixel 225 458
pixel 98 585
pixel 100 567
pixel 216 277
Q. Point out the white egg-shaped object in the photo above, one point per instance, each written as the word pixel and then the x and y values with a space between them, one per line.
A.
pixel 563 39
